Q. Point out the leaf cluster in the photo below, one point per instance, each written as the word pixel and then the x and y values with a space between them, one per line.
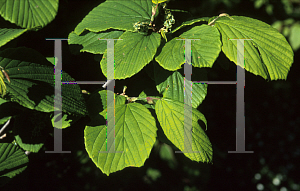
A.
pixel 138 28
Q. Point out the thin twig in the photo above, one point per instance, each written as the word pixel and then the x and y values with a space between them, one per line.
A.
pixel 4 126
pixel 4 135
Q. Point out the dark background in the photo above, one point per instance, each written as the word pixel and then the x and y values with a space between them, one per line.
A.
pixel 271 113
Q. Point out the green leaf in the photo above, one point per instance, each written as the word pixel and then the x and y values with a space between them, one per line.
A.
pixel 268 54
pixel 204 51
pixel 170 114
pixel 13 160
pixel 27 13
pixel 191 22
pixel 142 95
pixel 7 35
pixel 116 14
pixel 295 36
pixel 135 135
pixel 132 53
pixel 32 82
pixel 90 41
pixel 175 80
pixel 30 130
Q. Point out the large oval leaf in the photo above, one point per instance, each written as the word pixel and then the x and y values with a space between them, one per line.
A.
pixel 132 53
pixel 135 135
pixel 204 51
pixel 268 54
pixel 27 13
pixel 116 14
pixel 170 114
